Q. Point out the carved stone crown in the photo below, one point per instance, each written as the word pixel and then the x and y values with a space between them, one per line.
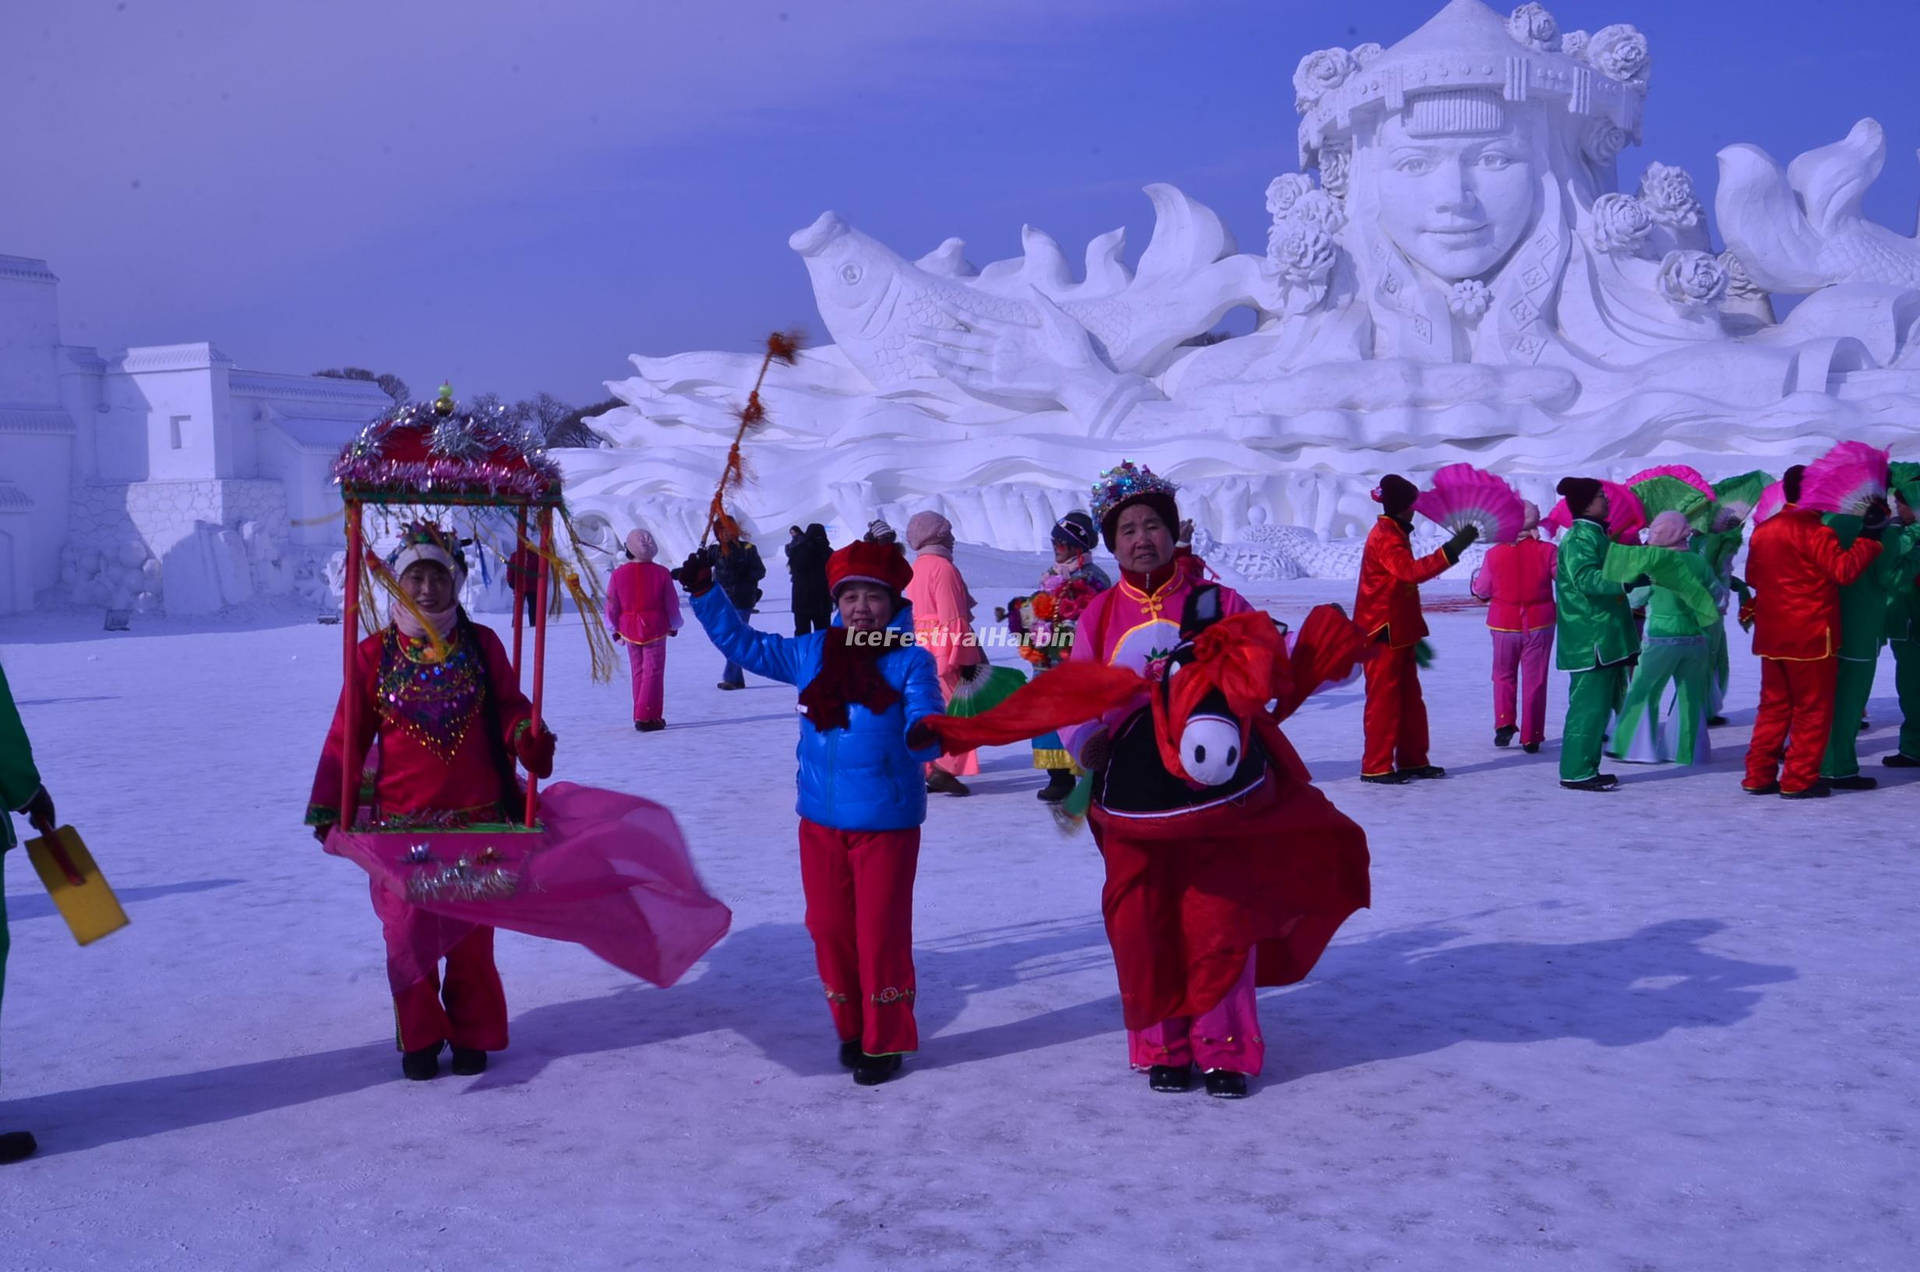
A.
pixel 1468 46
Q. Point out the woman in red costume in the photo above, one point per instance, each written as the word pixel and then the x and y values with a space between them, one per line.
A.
pixel 1226 869
pixel 440 701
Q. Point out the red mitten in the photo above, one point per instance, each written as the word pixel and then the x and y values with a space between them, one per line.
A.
pixel 535 751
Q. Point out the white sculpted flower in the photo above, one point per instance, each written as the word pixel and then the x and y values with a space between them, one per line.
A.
pixel 1285 190
pixel 1335 162
pixel 1740 283
pixel 1693 280
pixel 1668 193
pixel 1319 209
pixel 1621 223
pixel 1534 27
pixel 1603 141
pixel 1319 74
pixel 1620 52
pixel 1469 298
pixel 1303 253
pixel 1574 44
pixel 1366 54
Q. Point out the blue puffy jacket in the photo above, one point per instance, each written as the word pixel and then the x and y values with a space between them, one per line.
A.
pixel 862 777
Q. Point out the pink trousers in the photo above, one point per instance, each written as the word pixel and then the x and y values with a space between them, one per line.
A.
pixel 1520 670
pixel 1227 1036
pixel 649 665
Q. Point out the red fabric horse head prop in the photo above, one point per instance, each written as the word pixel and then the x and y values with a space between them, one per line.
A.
pixel 1215 685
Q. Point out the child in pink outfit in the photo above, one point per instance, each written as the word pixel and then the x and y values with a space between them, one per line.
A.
pixel 643 610
pixel 1517 583
pixel 943 626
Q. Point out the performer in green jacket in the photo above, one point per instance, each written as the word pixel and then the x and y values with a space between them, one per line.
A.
pixel 1717 547
pixel 1680 614
pixel 20 791
pixel 1595 637
pixel 1903 633
pixel 1863 628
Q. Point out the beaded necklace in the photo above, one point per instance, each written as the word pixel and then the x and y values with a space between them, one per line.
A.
pixel 433 702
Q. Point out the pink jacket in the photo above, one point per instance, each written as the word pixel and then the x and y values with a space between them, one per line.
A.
pixel 641 603
pixel 943 614
pixel 1518 581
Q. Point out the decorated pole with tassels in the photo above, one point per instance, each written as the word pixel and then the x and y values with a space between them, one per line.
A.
pixel 350 639
pixel 519 578
pixel 782 346
pixel 539 648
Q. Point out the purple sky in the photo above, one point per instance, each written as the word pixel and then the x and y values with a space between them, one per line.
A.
pixel 521 203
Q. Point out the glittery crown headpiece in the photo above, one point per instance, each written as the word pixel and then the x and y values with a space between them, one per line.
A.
pixel 1469 53
pixel 1129 481
pixel 425 541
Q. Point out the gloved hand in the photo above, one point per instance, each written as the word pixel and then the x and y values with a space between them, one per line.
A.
pixel 535 750
pixel 1423 655
pixel 972 671
pixel 39 811
pixel 695 574
pixel 1461 541
pixel 920 736
pixel 1096 751
pixel 1873 522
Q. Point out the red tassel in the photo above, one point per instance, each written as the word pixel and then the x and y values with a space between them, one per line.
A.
pixel 784 346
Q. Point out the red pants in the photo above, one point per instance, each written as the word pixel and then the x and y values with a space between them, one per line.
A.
pixel 859 886
pixel 1795 717
pixel 1396 716
pixel 468 1010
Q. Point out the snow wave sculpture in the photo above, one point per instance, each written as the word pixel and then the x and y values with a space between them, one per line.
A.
pixel 1454 274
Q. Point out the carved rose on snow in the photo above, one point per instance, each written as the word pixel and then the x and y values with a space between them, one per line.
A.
pixel 1534 27
pixel 1303 253
pixel 1469 298
pixel 1319 74
pixel 1740 283
pixel 1621 223
pixel 1367 54
pixel 1693 280
pixel 1335 162
pixel 1319 209
pixel 1620 52
pixel 1668 193
pixel 1603 141
pixel 1574 44
pixel 1285 190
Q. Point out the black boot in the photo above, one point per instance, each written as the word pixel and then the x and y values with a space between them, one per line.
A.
pixel 1531 748
pixel 850 1053
pixel 423 1064
pixel 467 1062
pixel 1425 773
pixel 1059 786
pixel 1170 1077
pixel 1598 782
pixel 1819 790
pixel 1225 1084
pixel 1858 782
pixel 1503 736
pixel 873 1070
pixel 16 1146
pixel 1899 759
pixel 1385 779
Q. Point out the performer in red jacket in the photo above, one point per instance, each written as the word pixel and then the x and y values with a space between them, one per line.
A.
pixel 1796 567
pixel 1387 609
pixel 450 721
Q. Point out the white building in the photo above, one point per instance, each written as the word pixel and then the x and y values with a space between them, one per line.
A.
pixel 161 475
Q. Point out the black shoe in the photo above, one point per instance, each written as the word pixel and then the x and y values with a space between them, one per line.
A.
pixel 1531 748
pixel 1598 782
pixel 1865 725
pixel 1899 759
pixel 1225 1084
pixel 941 782
pixel 1771 788
pixel 728 685
pixel 1858 782
pixel 1819 790
pixel 1385 779
pixel 1170 1077
pixel 1715 722
pixel 423 1064
pixel 467 1062
pixel 17 1146
pixel 873 1070
pixel 1425 773
pixel 649 726
pixel 850 1053
pixel 1503 736
pixel 1059 786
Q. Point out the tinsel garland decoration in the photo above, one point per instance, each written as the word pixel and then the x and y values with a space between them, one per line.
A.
pixel 433 448
pixel 782 346
pixel 470 877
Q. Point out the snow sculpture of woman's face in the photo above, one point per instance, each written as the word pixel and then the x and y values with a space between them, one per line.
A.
pixel 1456 189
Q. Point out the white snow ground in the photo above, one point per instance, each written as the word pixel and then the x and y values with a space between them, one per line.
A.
pixel 1672 1027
